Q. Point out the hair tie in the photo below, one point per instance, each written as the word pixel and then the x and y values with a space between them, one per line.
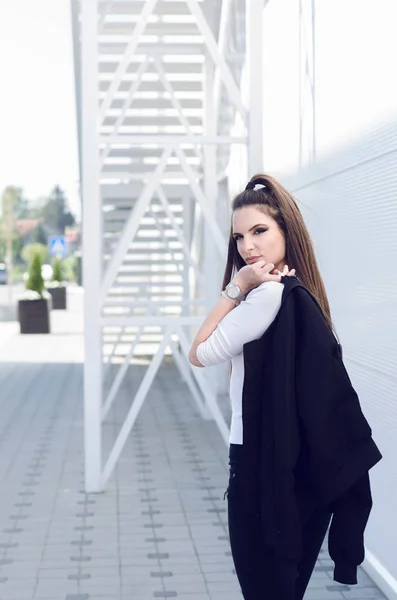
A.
pixel 250 185
pixel 261 181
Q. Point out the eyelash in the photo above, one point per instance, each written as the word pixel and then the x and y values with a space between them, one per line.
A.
pixel 258 230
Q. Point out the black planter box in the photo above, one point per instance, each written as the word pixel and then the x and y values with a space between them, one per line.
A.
pixel 34 316
pixel 58 295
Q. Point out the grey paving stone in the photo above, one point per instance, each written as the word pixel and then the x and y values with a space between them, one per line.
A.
pixel 9 545
pixel 102 586
pixel 202 597
pixel 363 593
pixel 322 595
pixel 81 543
pixel 160 527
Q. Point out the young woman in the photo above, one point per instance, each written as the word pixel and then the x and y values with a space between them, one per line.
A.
pixel 300 447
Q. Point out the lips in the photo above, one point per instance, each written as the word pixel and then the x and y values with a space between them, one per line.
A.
pixel 253 259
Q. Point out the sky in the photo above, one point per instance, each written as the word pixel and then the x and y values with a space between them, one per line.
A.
pixel 38 146
pixel 356 86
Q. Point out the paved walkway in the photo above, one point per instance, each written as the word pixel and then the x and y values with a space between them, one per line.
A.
pixel 159 530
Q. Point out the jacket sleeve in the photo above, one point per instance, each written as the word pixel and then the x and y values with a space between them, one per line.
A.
pixel 346 535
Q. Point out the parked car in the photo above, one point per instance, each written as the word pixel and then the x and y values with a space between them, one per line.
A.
pixel 3 274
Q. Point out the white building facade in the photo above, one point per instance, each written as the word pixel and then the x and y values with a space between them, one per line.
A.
pixel 179 102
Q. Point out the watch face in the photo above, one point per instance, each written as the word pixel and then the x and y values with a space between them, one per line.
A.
pixel 233 291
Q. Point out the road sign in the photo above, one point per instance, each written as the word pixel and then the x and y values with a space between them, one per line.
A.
pixel 57 245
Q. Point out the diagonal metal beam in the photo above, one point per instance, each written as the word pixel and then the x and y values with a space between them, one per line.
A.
pixel 202 200
pixel 139 28
pixel 205 389
pixel 166 241
pixel 127 103
pixel 185 371
pixel 136 407
pixel 175 102
pixel 179 232
pixel 217 57
pixel 132 224
pixel 118 380
pixel 108 359
pixel 225 12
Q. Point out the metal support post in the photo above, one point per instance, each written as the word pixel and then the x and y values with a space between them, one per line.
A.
pixel 92 249
pixel 307 112
pixel 211 258
pixel 254 57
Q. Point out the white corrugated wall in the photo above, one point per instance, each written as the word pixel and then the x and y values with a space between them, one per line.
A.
pixel 350 200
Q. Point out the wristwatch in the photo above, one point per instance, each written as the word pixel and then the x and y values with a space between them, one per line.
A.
pixel 233 292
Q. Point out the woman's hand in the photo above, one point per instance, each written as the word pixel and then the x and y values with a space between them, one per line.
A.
pixel 287 272
pixel 250 276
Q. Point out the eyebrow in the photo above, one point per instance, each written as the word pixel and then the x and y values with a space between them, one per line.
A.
pixel 251 228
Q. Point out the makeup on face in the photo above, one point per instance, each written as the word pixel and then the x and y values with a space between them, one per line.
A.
pixel 257 236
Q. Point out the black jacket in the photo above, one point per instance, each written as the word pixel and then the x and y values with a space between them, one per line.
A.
pixel 306 442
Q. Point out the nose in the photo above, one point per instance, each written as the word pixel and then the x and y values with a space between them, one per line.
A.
pixel 247 245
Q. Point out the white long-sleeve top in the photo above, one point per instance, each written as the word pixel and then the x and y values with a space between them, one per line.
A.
pixel 247 322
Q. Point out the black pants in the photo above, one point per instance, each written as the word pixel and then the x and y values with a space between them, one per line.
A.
pixel 254 562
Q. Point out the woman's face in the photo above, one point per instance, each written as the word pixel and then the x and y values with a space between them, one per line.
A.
pixel 258 236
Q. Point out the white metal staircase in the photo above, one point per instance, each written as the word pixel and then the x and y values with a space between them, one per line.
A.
pixel 158 87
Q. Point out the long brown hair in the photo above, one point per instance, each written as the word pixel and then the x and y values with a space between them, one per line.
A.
pixel 274 200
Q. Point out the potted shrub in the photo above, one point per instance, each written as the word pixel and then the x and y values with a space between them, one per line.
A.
pixel 33 306
pixel 56 287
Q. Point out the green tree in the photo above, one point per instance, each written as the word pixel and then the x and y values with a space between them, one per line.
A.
pixel 70 268
pixel 57 270
pixel 16 247
pixel 22 208
pixel 14 199
pixel 10 201
pixel 39 235
pixel 29 251
pixel 56 213
pixel 35 280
